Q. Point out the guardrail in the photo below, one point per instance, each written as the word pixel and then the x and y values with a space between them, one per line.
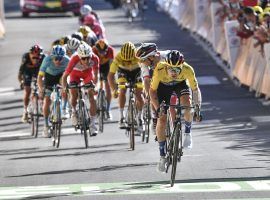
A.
pixel 2 18
pixel 244 62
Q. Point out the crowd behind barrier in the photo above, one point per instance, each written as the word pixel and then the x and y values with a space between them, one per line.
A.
pixel 247 58
pixel 2 17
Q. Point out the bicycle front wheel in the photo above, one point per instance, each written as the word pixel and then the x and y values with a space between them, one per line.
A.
pixel 34 116
pixel 58 125
pixel 175 152
pixel 101 108
pixel 83 119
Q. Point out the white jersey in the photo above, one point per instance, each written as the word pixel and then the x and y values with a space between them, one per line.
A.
pixel 160 56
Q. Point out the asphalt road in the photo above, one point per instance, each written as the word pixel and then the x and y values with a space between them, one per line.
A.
pixel 229 160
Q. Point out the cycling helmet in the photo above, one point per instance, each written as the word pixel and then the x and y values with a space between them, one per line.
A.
pixel 174 58
pixel 89 20
pixel 64 39
pixel 84 50
pixel 77 35
pixel 127 51
pixel 102 45
pixel 36 49
pixel 85 10
pixel 58 51
pixel 85 30
pixel 145 50
pixel 73 44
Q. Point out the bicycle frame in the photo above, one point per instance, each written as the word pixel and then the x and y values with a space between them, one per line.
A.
pixel 34 104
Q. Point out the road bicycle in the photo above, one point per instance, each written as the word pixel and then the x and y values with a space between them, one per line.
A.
pixel 55 115
pixel 83 111
pixel 131 114
pixel 34 108
pixel 146 120
pixel 174 136
pixel 101 108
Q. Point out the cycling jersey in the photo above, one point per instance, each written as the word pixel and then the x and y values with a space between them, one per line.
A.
pixel 161 76
pixel 147 70
pixel 104 58
pixel 49 67
pixel 76 65
pixel 118 62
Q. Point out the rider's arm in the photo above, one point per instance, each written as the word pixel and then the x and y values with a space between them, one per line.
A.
pixel 22 67
pixel 154 98
pixel 96 69
pixel 111 79
pixel 40 80
pixel 154 87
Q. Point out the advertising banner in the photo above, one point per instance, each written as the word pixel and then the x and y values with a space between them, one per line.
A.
pixel 232 41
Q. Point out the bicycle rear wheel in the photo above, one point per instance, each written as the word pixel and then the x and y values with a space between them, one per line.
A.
pixel 147 118
pixel 34 116
pixel 83 119
pixel 175 152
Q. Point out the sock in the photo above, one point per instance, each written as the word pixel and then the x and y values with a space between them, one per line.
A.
pixel 162 148
pixel 73 110
pixel 64 105
pixel 46 121
pixel 121 113
pixel 187 127
pixel 108 106
pixel 93 119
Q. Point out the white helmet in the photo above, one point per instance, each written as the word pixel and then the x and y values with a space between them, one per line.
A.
pixel 73 44
pixel 85 9
pixel 84 50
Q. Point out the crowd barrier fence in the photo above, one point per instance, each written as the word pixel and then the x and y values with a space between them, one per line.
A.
pixel 245 62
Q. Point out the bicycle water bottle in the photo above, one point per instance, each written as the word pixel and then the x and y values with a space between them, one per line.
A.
pixel 174 99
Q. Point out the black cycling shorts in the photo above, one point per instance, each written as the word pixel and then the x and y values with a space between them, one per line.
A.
pixel 28 74
pixel 125 76
pixel 164 91
pixel 103 71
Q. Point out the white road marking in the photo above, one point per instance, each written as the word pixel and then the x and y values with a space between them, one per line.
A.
pixel 208 80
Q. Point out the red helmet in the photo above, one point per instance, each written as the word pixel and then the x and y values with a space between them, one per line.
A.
pixel 89 20
pixel 36 49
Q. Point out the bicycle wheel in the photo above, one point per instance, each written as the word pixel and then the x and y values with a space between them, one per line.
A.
pixel 146 118
pixel 34 116
pixel 83 119
pixel 131 124
pixel 175 152
pixel 58 124
pixel 101 111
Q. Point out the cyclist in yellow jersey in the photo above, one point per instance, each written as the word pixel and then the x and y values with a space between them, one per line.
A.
pixel 174 76
pixel 126 65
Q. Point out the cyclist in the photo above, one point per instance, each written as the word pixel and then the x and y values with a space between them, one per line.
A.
pixel 105 52
pixel 84 66
pixel 89 20
pixel 88 35
pixel 77 35
pixel 149 58
pixel 51 70
pixel 174 75
pixel 72 46
pixel 29 68
pixel 87 10
pixel 126 65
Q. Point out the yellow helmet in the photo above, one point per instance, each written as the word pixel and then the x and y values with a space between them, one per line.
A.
pixel 267 9
pixel 84 30
pixel 258 10
pixel 127 51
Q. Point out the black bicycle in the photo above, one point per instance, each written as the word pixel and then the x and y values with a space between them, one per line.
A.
pixel 174 137
pixel 131 114
pixel 101 108
pixel 83 114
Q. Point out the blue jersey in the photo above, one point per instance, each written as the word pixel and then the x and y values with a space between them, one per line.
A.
pixel 49 67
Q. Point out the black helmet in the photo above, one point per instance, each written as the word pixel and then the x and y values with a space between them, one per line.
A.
pixel 174 58
pixel 145 50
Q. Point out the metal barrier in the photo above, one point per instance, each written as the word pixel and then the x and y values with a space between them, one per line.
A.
pixel 2 18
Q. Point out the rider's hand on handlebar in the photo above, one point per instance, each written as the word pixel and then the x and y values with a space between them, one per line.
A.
pixel 115 93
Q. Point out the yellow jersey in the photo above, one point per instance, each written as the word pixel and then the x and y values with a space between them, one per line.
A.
pixel 161 76
pixel 118 62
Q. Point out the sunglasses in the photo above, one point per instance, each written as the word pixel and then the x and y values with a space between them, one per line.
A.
pixel 58 58
pixel 85 58
pixel 176 70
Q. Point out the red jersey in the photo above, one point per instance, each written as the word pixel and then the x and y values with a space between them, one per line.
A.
pixel 104 58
